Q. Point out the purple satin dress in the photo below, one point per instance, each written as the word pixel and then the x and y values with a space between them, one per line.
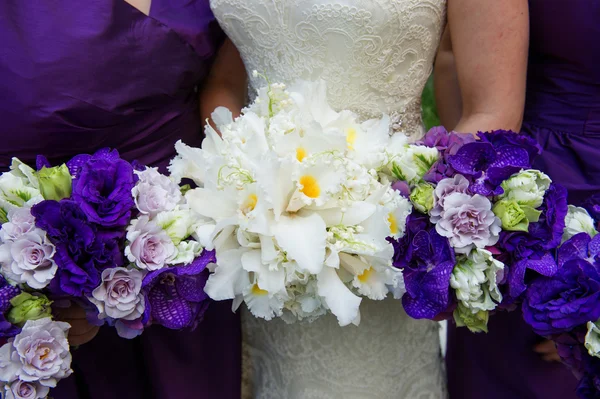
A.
pixel 76 76
pixel 563 114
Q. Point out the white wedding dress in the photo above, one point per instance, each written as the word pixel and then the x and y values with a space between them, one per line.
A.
pixel 375 56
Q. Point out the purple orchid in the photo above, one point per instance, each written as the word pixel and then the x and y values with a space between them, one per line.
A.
pixel 448 145
pixel 495 158
pixel 427 261
pixel 500 138
pixel 175 296
pixel 570 298
pixel 7 292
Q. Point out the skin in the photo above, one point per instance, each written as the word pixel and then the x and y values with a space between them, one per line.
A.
pixel 142 5
pixel 489 40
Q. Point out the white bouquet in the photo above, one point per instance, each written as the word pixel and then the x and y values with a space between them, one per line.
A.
pixel 300 204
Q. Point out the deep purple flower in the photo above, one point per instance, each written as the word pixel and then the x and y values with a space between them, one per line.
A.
pixel 589 386
pixel 592 204
pixel 533 250
pixel 426 260
pixel 102 188
pixel 448 144
pixel 42 162
pixel 402 188
pixel 7 292
pixel 571 297
pixel 495 158
pixel 175 295
pixel 500 138
pixel 82 249
pixel 571 349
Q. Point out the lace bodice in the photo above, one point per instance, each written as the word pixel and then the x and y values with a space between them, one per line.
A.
pixel 375 55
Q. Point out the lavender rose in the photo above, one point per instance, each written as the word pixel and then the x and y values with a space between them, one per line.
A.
pixel 119 295
pixel 103 187
pixel 21 221
pixel 150 247
pixel 25 390
pixel 155 192
pixel 29 259
pixel 456 184
pixel 468 221
pixel 571 297
pixel 40 352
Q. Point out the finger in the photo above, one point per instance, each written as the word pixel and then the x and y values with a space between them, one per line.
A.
pixel 70 313
pixel 545 347
pixel 80 339
pixel 551 358
pixel 81 327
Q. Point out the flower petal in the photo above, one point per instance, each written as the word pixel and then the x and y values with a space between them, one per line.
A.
pixel 303 239
pixel 342 302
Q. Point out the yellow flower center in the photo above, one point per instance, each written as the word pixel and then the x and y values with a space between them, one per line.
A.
pixel 46 353
pixel 310 186
pixel 364 276
pixel 393 224
pixel 249 204
pixel 300 154
pixel 257 291
pixel 350 138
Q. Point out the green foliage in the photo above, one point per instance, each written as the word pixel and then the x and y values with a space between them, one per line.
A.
pixel 430 117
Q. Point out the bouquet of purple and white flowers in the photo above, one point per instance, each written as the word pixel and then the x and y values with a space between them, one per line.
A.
pixel 483 220
pixel 565 307
pixel 100 232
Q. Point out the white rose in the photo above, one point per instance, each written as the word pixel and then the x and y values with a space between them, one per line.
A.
pixel 179 224
pixel 578 220
pixel 527 187
pixel 592 338
pixel 474 280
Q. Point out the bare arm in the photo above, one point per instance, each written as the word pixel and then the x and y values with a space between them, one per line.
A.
pixel 447 89
pixel 226 84
pixel 489 40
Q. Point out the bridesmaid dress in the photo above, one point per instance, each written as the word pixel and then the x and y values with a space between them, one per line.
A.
pixel 76 76
pixel 563 114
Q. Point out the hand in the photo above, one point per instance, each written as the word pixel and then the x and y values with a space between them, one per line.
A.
pixel 81 331
pixel 547 350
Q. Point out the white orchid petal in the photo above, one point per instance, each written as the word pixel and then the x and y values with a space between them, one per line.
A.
pixel 229 277
pixel 342 302
pixel 303 239
pixel 210 203
pixel 357 213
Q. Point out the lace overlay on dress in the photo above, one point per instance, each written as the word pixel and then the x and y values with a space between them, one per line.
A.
pixel 375 56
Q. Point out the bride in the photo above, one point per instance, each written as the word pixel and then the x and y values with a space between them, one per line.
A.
pixel 375 56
